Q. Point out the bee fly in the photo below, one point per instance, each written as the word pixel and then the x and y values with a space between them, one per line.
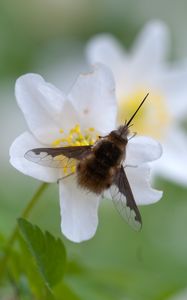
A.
pixel 98 168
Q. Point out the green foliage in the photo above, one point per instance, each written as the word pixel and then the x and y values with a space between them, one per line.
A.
pixel 150 265
pixel 64 292
pixel 30 270
pixel 49 253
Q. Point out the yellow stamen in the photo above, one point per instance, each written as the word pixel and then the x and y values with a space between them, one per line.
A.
pixel 73 169
pixel 77 128
pixel 65 170
pixel 152 119
pixel 56 142
pixel 75 137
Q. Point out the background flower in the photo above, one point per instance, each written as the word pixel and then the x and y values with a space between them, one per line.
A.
pixel 141 70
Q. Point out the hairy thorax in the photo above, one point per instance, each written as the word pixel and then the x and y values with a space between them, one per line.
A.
pixel 96 172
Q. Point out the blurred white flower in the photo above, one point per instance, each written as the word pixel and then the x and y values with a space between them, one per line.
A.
pixel 180 295
pixel 55 119
pixel 144 70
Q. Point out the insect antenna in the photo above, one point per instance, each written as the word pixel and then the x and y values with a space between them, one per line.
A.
pixel 128 123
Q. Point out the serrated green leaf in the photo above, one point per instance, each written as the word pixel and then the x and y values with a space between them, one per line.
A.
pixel 49 253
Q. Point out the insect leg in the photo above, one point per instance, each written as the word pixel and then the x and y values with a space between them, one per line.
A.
pixel 132 136
pixel 130 166
pixel 102 137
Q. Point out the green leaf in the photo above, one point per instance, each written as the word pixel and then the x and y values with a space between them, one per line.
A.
pixel 14 265
pixel 30 270
pixel 64 292
pixel 49 253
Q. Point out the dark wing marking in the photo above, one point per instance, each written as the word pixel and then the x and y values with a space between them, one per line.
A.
pixel 61 157
pixel 123 200
pixel 77 152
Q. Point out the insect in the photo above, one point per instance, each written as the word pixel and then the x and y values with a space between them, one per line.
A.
pixel 99 167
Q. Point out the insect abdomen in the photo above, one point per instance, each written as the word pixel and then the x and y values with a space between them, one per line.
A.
pixel 96 173
pixel 93 176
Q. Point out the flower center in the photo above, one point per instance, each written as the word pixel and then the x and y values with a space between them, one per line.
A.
pixel 152 119
pixel 75 137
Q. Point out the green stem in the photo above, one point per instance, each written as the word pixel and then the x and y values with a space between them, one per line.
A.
pixel 14 234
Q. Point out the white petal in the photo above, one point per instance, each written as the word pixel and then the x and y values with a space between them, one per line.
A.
pixel 105 49
pixel 141 149
pixel 139 179
pixel 93 97
pixel 78 211
pixel 172 164
pixel 149 50
pixel 19 147
pixel 69 117
pixel 173 84
pixel 41 104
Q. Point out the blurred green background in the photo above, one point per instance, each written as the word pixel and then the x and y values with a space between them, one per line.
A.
pixel 48 37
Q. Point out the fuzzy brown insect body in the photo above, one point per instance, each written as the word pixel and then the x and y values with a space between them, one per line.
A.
pixel 97 171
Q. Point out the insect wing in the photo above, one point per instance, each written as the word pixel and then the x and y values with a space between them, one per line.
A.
pixel 124 202
pixel 62 157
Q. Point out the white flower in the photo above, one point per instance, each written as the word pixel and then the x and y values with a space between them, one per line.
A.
pixel 144 70
pixel 55 119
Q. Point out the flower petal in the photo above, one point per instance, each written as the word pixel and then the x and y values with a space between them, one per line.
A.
pixel 141 149
pixel 41 104
pixel 19 147
pixel 78 211
pixel 93 97
pixel 173 163
pixel 148 53
pixel 172 82
pixel 139 179
pixel 104 48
